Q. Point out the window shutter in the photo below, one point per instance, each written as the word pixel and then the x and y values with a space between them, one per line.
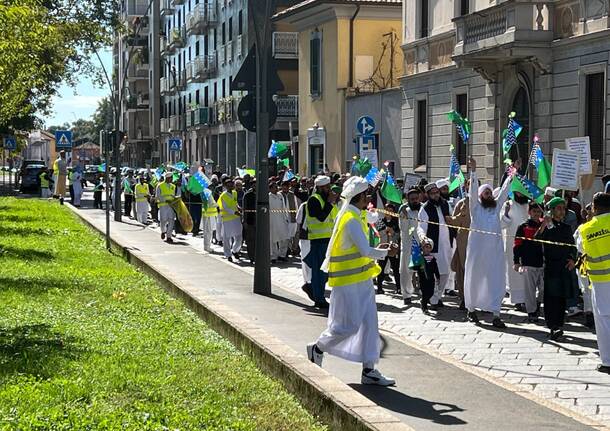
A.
pixel 595 115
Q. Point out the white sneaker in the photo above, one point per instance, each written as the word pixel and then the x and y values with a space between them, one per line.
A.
pixel 574 311
pixel 314 356
pixel 374 377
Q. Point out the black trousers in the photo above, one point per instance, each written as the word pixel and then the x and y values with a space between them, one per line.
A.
pixel 154 209
pixel 71 188
pixel 128 202
pixel 97 200
pixel 250 238
pixel 426 286
pixel 395 264
pixel 554 311
pixel 195 212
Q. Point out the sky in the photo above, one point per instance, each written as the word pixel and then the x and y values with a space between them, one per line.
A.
pixel 80 102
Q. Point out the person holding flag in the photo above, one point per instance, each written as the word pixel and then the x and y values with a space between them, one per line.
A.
pixel 353 331
pixel 407 221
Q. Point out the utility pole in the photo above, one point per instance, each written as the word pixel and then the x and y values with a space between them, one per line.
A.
pixel 262 268
pixel 105 140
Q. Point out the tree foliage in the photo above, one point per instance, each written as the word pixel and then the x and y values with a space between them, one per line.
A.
pixel 45 43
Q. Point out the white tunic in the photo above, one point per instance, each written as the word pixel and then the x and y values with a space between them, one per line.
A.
pixel 353 332
pixel 445 252
pixel 278 218
pixel 515 282
pixel 484 282
pixel 77 186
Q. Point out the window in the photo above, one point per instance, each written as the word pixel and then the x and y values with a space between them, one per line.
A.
pixel 423 18
pixel 197 97
pixel 224 86
pixel 461 107
pixel 206 96
pixel 215 91
pixel 224 33
pixel 422 132
pixel 315 64
pixel 230 29
pixel 464 7
pixel 214 34
pixel 594 126
pixel 197 49
pixel 205 45
pixel 240 22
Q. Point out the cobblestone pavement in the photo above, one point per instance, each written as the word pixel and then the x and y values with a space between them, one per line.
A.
pixel 520 356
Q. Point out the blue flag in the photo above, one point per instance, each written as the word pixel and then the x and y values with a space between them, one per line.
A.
pixel 417 258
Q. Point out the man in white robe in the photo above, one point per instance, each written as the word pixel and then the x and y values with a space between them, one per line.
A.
pixel 485 279
pixel 77 186
pixel 514 213
pixel 434 211
pixel 278 222
pixel 353 331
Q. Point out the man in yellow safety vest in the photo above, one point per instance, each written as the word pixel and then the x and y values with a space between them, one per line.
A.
pixel 44 183
pixel 165 194
pixel 209 212
pixel 230 213
pixel 142 193
pixel 596 247
pixel 353 332
pixel 320 214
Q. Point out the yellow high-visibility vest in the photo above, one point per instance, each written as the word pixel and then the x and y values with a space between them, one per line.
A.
pixel 167 193
pixel 141 192
pixel 315 228
pixel 44 182
pixel 228 202
pixel 212 209
pixel 347 265
pixel 596 247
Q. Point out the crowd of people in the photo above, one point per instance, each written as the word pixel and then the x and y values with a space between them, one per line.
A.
pixel 479 245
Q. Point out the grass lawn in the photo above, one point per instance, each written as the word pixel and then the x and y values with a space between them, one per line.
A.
pixel 89 342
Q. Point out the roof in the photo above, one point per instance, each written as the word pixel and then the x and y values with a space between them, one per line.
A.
pixel 311 3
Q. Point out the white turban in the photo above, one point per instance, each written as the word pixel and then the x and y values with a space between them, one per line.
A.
pixel 430 186
pixel 321 180
pixel 484 187
pixel 550 192
pixel 442 183
pixel 354 186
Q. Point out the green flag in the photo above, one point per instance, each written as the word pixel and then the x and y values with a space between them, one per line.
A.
pixel 127 186
pixel 283 162
pixel 517 186
pixel 193 186
pixel 391 192
pixel 362 167
pixel 544 174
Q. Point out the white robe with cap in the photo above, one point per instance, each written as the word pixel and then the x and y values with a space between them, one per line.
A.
pixel 353 332
pixel 515 282
pixel 484 278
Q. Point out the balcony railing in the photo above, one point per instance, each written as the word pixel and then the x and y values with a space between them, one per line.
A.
pixel 164 125
pixel 136 40
pixel 167 8
pixel 175 123
pixel 287 106
pixel 201 68
pixel 143 100
pixel 202 17
pixel 509 22
pixel 229 50
pixel 164 85
pixel 136 8
pixel 178 2
pixel 139 102
pixel 164 47
pixel 222 55
pixel 135 72
pixel 201 116
pixel 138 133
pixel 285 44
pixel 177 38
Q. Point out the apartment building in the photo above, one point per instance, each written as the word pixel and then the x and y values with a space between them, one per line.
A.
pixel 202 47
pixel 547 61
pixel 343 46
pixel 132 64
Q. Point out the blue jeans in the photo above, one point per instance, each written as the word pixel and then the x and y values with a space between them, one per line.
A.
pixel 314 260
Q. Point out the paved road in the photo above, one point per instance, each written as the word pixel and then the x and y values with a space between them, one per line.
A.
pixel 450 372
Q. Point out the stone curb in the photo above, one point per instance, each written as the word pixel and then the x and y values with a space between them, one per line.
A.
pixel 334 402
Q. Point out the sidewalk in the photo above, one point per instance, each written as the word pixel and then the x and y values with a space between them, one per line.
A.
pixel 428 356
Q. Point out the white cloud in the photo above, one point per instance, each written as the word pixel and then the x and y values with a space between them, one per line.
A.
pixel 77 102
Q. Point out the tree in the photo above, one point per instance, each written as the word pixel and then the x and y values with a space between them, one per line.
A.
pixel 44 43
pixel 102 118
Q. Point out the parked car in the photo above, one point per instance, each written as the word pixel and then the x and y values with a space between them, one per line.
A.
pixel 30 180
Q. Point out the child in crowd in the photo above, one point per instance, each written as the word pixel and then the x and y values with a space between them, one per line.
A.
pixel 427 273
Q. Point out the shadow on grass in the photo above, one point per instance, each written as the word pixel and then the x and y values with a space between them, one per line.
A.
pixel 34 285
pixel 35 350
pixel 17 218
pixel 25 253
pixel 25 231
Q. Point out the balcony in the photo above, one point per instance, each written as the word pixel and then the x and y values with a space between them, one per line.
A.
pixel 175 123
pixel 285 45
pixel 167 8
pixel 163 47
pixel 140 59
pixel 177 82
pixel 135 72
pixel 177 2
pixel 202 17
pixel 222 55
pixel 137 103
pixel 515 29
pixel 201 68
pixel 136 40
pixel 287 106
pixel 136 8
pixel 140 133
pixel 164 86
pixel 197 117
pixel 143 100
pixel 177 39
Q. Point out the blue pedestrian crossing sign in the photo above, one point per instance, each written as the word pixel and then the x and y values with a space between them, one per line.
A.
pixel 63 140
pixel 365 125
pixel 10 143
pixel 175 144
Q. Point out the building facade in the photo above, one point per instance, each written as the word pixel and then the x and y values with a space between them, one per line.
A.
pixel 346 47
pixel 546 61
